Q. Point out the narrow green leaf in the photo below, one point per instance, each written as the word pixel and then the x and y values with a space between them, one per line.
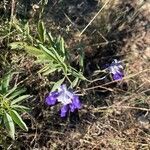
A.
pixel 33 50
pixel 44 58
pixel 50 38
pixel 27 32
pixel 77 74
pixel 18 120
pixel 49 68
pixel 19 99
pixel 62 46
pixel 48 52
pixel 20 108
pixel 0 89
pixel 12 93
pixel 81 59
pixel 29 49
pixel 75 82
pixel 59 59
pixel 5 82
pixel 49 71
pixel 17 25
pixel 17 45
pixel 58 39
pixel 57 84
pixel 45 2
pixel 26 28
pixel 9 125
pixel 41 31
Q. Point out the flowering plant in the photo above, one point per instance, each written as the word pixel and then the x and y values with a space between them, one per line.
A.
pixel 116 69
pixel 69 100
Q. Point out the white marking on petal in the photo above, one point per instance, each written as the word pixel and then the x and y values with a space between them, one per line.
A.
pixel 65 96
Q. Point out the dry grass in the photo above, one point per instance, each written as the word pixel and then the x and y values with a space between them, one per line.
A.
pixel 114 120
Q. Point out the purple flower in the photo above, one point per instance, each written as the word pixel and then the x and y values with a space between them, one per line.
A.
pixel 69 100
pixel 116 69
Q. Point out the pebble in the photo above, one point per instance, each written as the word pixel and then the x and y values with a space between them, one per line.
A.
pixel 144 121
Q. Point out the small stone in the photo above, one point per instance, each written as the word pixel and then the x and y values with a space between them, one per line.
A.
pixel 144 122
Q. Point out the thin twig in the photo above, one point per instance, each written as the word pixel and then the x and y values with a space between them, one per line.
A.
pixel 123 107
pixel 109 89
pixel 12 9
pixel 94 18
pixel 69 19
pixel 99 86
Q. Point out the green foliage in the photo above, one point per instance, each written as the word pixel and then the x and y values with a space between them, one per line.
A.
pixel 51 52
pixel 9 124
pixel 41 32
pixel 10 105
pixel 57 84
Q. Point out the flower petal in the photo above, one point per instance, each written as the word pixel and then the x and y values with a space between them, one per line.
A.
pixel 72 107
pixel 66 91
pixel 64 99
pixel 65 96
pixel 116 69
pixel 75 104
pixel 52 98
pixel 64 110
pixel 118 76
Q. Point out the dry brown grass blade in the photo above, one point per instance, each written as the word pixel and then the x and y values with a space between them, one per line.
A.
pixel 93 18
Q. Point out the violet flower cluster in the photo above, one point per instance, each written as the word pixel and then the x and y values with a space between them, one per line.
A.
pixel 69 100
pixel 116 69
